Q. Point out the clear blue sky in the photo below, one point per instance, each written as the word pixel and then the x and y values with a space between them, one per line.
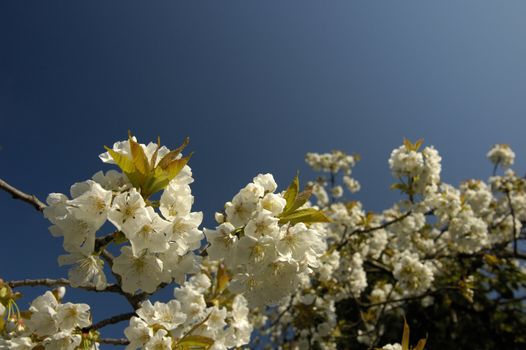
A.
pixel 255 85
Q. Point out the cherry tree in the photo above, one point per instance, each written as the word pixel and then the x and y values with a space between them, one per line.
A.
pixel 289 268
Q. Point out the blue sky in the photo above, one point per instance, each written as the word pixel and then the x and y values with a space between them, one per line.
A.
pixel 255 85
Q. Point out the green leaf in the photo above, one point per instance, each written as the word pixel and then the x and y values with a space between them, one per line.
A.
pixel 139 158
pixel 405 336
pixel 301 199
pixel 195 342
pixel 223 279
pixel 291 194
pixel 122 161
pixel 408 145
pixel 154 156
pixel 418 144
pixel 420 345
pixel 172 155
pixel 307 216
pixel 162 177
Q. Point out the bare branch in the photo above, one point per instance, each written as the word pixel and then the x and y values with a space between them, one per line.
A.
pixel 514 225
pixel 112 341
pixel 109 321
pixel 134 300
pixel 17 194
pixel 287 309
pixel 59 282
pixel 345 237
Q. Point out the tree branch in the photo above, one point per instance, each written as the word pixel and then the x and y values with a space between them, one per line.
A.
pixel 345 237
pixel 17 194
pixel 514 225
pixel 134 300
pixel 108 321
pixel 59 282
pixel 112 341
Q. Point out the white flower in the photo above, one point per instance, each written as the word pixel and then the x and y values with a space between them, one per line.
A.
pixel 20 343
pixel 216 320
pixel 352 184
pixel 357 278
pixel 468 233
pixel 239 332
pixel 167 315
pixel 266 181
pixel 160 341
pixel 149 234
pixel 70 315
pixel 112 180
pixel 221 241
pixel 93 205
pixel 337 191
pixel 43 311
pixel 128 211
pixel 176 201
pixel 183 233
pixel 301 244
pixel 88 270
pixel 501 154
pixel 413 276
pixel 263 224
pixel 274 203
pixel 62 341
pixel 404 162
pixel 79 235
pixel 144 272
pixel 178 266
pixel 123 147
pixel 138 333
pixel 243 204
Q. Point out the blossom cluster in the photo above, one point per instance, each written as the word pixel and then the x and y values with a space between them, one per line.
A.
pixel 51 324
pixel 161 234
pixel 377 263
pixel 262 241
pixel 309 275
pixel 188 320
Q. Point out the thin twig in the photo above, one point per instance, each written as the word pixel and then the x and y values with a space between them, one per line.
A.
pixel 134 299
pixel 109 321
pixel 514 225
pixel 113 341
pixel 59 282
pixel 377 323
pixel 345 239
pixel 102 242
pixel 17 194
pixel 282 313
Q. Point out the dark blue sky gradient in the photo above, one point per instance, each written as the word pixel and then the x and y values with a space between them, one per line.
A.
pixel 255 85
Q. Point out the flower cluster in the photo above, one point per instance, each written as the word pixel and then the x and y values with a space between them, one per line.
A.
pixel 333 163
pixel 49 324
pixel 187 320
pixel 161 234
pixel 264 240
pixel 409 253
pixel 420 168
pixel 501 154
pixel 326 276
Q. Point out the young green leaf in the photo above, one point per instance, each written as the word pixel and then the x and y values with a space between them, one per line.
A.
pixel 195 342
pixel 307 216
pixel 172 155
pixel 405 336
pixel 291 194
pixel 122 161
pixel 139 158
